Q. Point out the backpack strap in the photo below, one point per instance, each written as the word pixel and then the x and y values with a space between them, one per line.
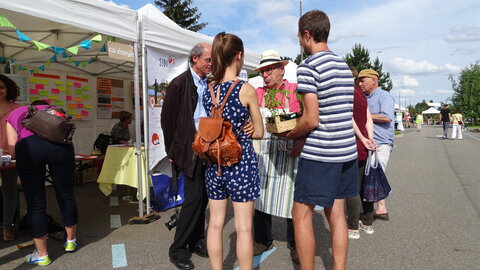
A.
pixel 217 111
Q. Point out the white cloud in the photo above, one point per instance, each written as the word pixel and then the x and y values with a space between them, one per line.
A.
pixel 443 91
pixel 408 66
pixel 273 9
pixel 408 81
pixel 463 34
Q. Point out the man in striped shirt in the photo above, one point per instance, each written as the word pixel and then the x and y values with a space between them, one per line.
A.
pixel 327 170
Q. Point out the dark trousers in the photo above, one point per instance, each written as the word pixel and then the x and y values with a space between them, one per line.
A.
pixel 445 128
pixel 262 227
pixel 191 223
pixel 357 209
pixel 33 154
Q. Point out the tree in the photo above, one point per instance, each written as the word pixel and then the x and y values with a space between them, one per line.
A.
pixel 421 106
pixel 298 60
pixel 466 96
pixel 182 14
pixel 360 59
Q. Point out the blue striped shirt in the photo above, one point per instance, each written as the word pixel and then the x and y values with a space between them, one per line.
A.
pixel 381 102
pixel 329 77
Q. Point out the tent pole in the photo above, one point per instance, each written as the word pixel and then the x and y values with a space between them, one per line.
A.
pixel 146 137
pixel 137 130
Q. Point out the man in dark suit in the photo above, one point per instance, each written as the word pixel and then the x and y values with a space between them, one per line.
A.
pixel 181 112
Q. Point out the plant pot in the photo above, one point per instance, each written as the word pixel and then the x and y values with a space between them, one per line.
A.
pixel 281 123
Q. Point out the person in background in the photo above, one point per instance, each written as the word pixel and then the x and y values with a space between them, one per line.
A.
pixel 181 113
pixel 419 122
pixel 239 182
pixel 445 118
pixel 9 92
pixel 277 167
pixel 382 107
pixel 33 154
pixel 457 119
pixel 327 168
pixel 120 133
pixel 359 212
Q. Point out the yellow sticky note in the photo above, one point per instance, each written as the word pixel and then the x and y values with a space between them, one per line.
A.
pixel 62 88
pixel 43 93
pixel 45 81
pixel 69 91
pixel 32 80
pixel 78 99
pixel 53 97
pixel 69 83
pixel 72 112
pixel 86 87
pixel 79 92
pixel 58 82
pixel 86 97
pixel 88 106
pixel 58 103
pixel 34 98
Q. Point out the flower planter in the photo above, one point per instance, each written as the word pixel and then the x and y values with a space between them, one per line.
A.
pixel 281 123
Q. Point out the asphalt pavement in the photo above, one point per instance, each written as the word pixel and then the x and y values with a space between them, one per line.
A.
pixel 434 220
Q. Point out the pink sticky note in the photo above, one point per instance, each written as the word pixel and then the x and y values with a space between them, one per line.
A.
pixel 78 85
pixel 69 97
pixel 33 91
pixel 55 91
pixel 85 113
pixel 40 86
pixel 79 105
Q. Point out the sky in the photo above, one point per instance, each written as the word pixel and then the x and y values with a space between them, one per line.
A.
pixel 420 42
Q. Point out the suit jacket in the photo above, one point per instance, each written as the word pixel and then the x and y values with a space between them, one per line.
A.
pixel 177 121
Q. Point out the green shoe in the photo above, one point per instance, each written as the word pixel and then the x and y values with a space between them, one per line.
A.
pixel 34 259
pixel 70 246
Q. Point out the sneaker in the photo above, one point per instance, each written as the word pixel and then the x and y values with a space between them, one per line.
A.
pixel 353 234
pixel 259 248
pixel 70 246
pixel 34 259
pixel 368 229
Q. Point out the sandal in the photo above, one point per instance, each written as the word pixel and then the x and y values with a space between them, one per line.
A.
pixel 8 235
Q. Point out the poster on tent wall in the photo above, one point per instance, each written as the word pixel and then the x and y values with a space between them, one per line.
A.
pixel 162 68
pixel 48 87
pixel 22 84
pixel 104 98
pixel 78 97
pixel 118 98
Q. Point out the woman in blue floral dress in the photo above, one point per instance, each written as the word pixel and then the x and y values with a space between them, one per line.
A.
pixel 240 182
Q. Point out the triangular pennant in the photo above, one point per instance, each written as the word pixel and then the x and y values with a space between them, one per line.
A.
pixel 77 63
pixel 47 64
pixel 22 36
pixel 20 68
pixel 53 58
pixel 83 63
pixel 97 38
pixel 58 50
pixel 4 22
pixel 36 70
pixel 104 48
pixel 40 45
pixel 31 71
pixel 42 67
pixel 12 60
pixel 90 60
pixel 64 55
pixel 86 44
pixel 70 60
pixel 3 59
pixel 73 49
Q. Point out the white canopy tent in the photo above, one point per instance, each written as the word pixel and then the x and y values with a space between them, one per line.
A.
pixel 431 110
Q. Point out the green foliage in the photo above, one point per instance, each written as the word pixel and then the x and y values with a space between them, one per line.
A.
pixel 271 101
pixel 360 59
pixel 466 89
pixel 421 106
pixel 298 60
pixel 182 14
pixel 411 109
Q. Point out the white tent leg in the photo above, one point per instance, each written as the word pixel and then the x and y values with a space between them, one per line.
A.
pixel 138 131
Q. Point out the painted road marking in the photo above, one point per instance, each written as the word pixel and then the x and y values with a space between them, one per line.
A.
pixel 260 258
pixel 115 221
pixel 114 201
pixel 119 258
pixel 471 136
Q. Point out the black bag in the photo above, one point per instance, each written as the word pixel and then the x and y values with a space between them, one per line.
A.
pixel 52 124
pixel 102 142
pixel 375 183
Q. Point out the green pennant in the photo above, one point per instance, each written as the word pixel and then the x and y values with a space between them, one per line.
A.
pixel 83 63
pixel 97 38
pixel 4 22
pixel 36 70
pixel 40 45
pixel 47 64
pixel 70 60
pixel 73 49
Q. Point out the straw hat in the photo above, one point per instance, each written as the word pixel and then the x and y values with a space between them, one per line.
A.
pixel 369 73
pixel 270 57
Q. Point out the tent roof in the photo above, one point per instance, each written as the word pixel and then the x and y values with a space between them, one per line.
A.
pixel 163 33
pixel 431 111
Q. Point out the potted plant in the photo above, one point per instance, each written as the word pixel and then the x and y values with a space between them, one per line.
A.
pixel 279 120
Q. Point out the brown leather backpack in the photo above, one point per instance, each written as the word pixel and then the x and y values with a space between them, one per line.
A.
pixel 215 141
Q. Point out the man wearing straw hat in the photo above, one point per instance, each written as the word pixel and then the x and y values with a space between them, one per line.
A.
pixel 277 166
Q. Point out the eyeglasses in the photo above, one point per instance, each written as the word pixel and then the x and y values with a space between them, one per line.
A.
pixel 208 60
pixel 269 71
